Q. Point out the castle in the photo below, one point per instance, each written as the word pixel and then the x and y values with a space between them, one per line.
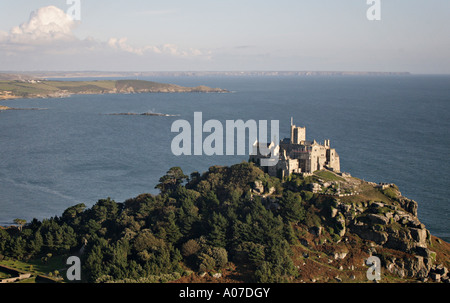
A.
pixel 297 155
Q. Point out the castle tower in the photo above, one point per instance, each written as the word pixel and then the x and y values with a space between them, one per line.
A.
pixel 298 134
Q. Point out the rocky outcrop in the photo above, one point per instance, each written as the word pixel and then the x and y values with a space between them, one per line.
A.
pixel 408 205
pixel 393 226
pixel 439 273
pixel 416 266
pixel 258 187
pixel 367 233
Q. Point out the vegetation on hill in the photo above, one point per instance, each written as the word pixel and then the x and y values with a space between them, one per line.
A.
pixel 237 224
pixel 10 89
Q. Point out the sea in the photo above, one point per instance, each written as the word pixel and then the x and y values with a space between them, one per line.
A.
pixel 393 129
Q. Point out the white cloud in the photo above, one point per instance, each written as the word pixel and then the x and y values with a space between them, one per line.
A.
pixel 121 44
pixel 46 24
pixel 49 30
pixel 168 49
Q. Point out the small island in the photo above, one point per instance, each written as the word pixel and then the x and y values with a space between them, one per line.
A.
pixel 143 114
pixel 2 108
pixel 35 88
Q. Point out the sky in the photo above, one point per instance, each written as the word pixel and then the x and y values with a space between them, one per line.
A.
pixel 225 35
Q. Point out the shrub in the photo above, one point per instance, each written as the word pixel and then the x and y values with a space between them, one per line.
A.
pixel 220 256
pixel 307 195
pixel 206 262
pixel 190 248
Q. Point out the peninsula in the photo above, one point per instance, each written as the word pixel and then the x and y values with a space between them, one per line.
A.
pixel 237 224
pixel 32 88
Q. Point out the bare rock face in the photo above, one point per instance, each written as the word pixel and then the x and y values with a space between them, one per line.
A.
pixel 340 224
pixel 439 273
pixel 419 236
pixel 417 266
pixel 366 232
pixel 395 227
pixel 377 219
pixel 259 188
pixel 408 205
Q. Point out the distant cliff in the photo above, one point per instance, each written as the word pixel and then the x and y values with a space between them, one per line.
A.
pixel 11 89
pixel 103 74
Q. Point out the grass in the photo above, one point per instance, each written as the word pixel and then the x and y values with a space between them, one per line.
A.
pixel 36 266
pixel 328 176
pixel 4 275
pixel 49 88
pixel 367 193
pixel 391 193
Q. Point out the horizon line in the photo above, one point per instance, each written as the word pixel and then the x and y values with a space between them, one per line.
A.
pixel 231 72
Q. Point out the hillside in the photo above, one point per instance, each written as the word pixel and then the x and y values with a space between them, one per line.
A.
pixel 11 89
pixel 237 224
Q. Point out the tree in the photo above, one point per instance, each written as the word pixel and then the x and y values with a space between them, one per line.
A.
pixel 190 248
pixel 145 240
pixel 220 256
pixel 206 262
pixel 264 273
pixel 18 247
pixel 37 243
pixel 218 230
pixel 293 211
pixel 93 263
pixel 73 211
pixel 20 222
pixel 173 233
pixel 173 178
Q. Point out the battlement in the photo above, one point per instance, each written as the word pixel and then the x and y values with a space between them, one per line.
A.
pixel 298 134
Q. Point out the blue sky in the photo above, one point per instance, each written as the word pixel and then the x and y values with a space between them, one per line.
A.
pixel 412 35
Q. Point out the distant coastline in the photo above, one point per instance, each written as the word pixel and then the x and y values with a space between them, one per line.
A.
pixel 136 74
pixel 39 88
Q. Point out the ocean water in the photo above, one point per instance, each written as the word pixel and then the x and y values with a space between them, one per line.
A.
pixel 385 129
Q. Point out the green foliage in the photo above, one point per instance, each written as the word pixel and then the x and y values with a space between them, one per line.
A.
pixel 292 208
pixel 307 195
pixel 171 180
pixel 391 193
pixel 190 248
pixel 218 230
pixel 202 224
pixel 328 176
pixel 311 218
pixel 250 253
pixel 210 258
